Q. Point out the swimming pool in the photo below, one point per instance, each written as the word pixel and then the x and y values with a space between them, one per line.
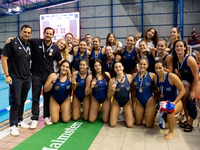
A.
pixel 4 102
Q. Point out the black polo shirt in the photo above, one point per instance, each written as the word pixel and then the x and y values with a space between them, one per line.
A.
pixel 18 58
pixel 42 60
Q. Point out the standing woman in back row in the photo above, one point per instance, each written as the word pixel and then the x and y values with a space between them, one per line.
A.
pixel 186 68
pixel 62 44
pixel 80 52
pixel 151 37
pixel 144 53
pixel 113 43
pixel 174 35
pixel 129 55
pixel 161 54
pixel 97 52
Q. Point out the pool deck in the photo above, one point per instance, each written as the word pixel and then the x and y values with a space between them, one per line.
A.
pixel 121 137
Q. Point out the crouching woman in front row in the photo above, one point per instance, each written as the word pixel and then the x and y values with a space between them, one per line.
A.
pixel 168 83
pixel 59 83
pixel 142 94
pixel 119 86
pixel 97 88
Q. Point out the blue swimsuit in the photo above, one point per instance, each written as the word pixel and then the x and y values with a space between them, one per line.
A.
pixel 77 59
pixel 169 91
pixel 61 90
pixel 93 56
pixel 128 60
pixel 109 67
pixel 80 90
pixel 185 71
pixel 122 92
pixel 163 57
pixel 146 93
pixel 171 49
pixel 99 92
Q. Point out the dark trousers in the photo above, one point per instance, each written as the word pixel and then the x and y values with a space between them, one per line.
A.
pixel 37 83
pixel 17 97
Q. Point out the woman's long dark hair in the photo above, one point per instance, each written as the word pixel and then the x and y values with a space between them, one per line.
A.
pixel 107 42
pixel 175 57
pixel 155 37
pixel 102 70
pixel 62 62
pixel 161 61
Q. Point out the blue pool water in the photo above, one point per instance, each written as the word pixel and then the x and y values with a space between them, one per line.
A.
pixel 4 102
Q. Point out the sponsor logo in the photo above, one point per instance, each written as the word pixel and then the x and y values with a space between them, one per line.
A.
pixel 148 83
pixel 56 144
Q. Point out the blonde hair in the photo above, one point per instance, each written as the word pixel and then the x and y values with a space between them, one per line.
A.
pixel 64 52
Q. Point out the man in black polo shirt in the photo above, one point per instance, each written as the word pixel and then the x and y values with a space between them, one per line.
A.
pixel 16 66
pixel 44 52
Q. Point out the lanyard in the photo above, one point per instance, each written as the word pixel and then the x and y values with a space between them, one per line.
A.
pixel 110 65
pixel 141 80
pixel 47 49
pixel 180 66
pixel 27 49
pixel 162 84
pixel 97 56
pixel 157 56
pixel 117 82
pixel 81 57
pixel 130 50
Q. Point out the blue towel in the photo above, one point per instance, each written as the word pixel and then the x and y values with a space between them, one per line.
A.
pixel 191 107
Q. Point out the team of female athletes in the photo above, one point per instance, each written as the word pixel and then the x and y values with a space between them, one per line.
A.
pixel 135 77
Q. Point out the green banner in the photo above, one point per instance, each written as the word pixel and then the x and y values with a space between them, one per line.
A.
pixel 74 135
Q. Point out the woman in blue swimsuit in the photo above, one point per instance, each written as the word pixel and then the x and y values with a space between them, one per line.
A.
pixel 161 54
pixel 78 87
pixel 144 53
pixel 119 89
pixel 79 53
pixel 144 100
pixel 129 55
pixel 60 85
pixel 174 36
pixel 168 83
pixel 109 60
pixel 97 87
pixel 185 66
pixel 97 52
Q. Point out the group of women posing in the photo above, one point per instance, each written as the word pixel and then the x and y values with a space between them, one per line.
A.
pixel 114 81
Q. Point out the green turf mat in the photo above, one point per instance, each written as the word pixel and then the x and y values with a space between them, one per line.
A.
pixel 75 135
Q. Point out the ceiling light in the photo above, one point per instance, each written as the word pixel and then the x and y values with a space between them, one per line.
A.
pixel 17 8
pixel 9 10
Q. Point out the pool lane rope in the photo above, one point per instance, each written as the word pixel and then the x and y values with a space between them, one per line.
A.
pixel 7 109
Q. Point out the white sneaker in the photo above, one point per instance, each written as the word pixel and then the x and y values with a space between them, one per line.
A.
pixel 47 121
pixel 14 131
pixel 23 124
pixel 34 124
